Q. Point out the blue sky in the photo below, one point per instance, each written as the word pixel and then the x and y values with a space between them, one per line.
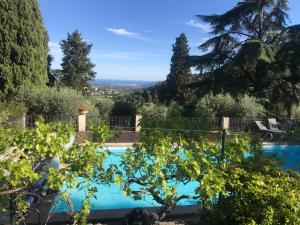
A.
pixel 132 39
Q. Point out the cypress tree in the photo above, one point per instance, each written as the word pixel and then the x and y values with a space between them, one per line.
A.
pixel 77 68
pixel 23 46
pixel 180 72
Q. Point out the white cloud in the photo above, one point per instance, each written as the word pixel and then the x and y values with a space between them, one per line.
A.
pixel 55 51
pixel 202 26
pixel 130 34
pixel 122 32
pixel 202 40
pixel 53 44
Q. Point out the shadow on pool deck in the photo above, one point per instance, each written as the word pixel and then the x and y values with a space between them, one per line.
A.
pixel 113 216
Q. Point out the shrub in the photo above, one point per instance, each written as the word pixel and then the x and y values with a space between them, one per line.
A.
pixel 122 108
pixel 104 106
pixel 31 162
pixel 55 101
pixel 172 117
pixel 152 114
pixel 11 113
pixel 256 192
pixel 296 112
pixel 225 105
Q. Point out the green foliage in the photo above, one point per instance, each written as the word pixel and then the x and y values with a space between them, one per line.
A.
pixel 25 158
pixel 152 114
pixel 101 132
pixel 296 112
pixel 172 117
pixel 293 136
pixel 164 159
pixel 104 106
pixel 256 192
pixel 55 101
pixel 151 168
pixel 180 73
pixel 11 114
pixel 24 46
pixel 252 51
pixel 123 108
pixel 225 105
pixel 77 68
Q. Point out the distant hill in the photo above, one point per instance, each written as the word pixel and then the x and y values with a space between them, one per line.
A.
pixel 123 83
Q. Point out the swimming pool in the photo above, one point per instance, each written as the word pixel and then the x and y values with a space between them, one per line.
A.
pixel 112 197
pixel 289 154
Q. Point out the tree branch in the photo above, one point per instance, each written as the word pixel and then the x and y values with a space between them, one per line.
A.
pixel 8 192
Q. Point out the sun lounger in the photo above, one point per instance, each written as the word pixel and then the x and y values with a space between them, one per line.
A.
pixel 263 129
pixel 273 124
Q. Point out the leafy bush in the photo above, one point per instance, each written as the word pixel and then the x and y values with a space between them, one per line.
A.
pixel 55 101
pixel 293 136
pixel 11 114
pixel 102 133
pixel 225 105
pixel 152 114
pixel 296 112
pixel 104 106
pixel 256 192
pixel 122 108
pixel 171 117
pixel 25 158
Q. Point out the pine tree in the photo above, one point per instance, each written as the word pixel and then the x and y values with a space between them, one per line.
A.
pixel 242 56
pixel 77 68
pixel 180 72
pixel 23 46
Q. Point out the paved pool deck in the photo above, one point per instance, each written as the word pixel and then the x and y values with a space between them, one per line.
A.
pixel 112 216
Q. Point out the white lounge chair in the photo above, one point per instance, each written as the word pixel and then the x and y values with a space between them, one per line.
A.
pixel 263 129
pixel 273 124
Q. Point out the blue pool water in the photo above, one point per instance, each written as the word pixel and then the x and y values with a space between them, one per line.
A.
pixel 288 154
pixel 112 197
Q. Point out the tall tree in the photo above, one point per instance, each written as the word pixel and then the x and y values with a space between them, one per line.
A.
pixel 23 46
pixel 243 51
pixel 180 72
pixel 51 77
pixel 77 68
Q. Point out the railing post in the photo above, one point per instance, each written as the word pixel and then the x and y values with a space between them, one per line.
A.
pixel 138 118
pixel 24 121
pixel 82 120
pixel 225 128
pixel 225 123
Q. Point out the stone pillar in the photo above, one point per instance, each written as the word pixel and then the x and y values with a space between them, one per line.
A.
pixel 138 118
pixel 82 120
pixel 225 123
pixel 24 121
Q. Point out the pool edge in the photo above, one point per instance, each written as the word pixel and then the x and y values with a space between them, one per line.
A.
pixel 114 215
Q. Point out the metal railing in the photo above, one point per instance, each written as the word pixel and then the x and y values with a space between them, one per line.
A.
pixel 126 123
pixel 122 122
pixel 241 125
pixel 30 120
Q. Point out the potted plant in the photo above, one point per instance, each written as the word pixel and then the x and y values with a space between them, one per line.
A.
pixel 82 110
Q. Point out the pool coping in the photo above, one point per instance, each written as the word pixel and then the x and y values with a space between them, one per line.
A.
pixel 115 215
pixel 119 144
pixel 132 143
